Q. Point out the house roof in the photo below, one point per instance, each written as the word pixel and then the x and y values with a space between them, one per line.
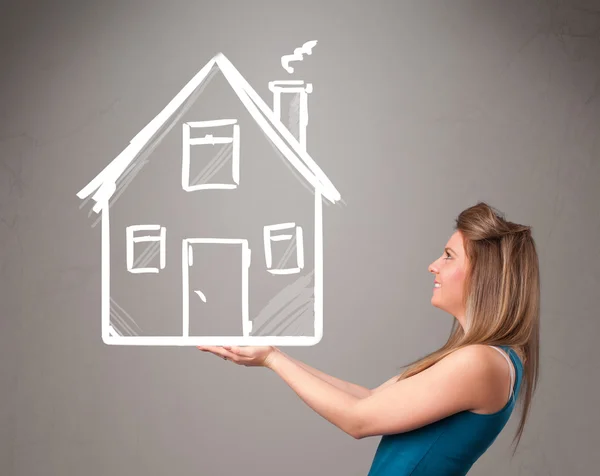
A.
pixel 104 184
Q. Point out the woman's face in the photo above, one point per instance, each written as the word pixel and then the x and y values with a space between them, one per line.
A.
pixel 449 271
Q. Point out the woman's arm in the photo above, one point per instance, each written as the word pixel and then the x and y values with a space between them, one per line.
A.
pixel 333 404
pixel 348 387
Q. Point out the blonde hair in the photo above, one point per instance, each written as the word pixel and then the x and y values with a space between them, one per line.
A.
pixel 501 297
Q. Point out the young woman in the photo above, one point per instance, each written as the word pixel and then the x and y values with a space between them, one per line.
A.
pixel 443 412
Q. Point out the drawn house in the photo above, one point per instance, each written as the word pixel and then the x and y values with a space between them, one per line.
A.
pixel 219 240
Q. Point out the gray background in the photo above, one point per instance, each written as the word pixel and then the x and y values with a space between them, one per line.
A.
pixel 420 109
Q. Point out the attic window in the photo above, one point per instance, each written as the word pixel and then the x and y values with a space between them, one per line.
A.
pixel 139 256
pixel 211 155
pixel 279 248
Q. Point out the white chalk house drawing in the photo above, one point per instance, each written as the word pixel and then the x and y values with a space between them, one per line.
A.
pixel 218 239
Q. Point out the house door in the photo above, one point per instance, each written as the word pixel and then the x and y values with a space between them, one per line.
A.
pixel 215 287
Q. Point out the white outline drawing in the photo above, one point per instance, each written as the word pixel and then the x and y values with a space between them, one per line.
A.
pixel 132 239
pixel 187 258
pixel 188 141
pixel 102 187
pixel 268 237
pixel 306 48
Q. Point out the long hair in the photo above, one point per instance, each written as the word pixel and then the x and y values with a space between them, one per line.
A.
pixel 501 296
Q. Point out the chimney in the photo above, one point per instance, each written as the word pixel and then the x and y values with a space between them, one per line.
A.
pixel 290 105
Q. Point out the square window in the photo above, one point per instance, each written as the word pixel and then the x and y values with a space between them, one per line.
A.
pixel 277 260
pixel 211 155
pixel 138 256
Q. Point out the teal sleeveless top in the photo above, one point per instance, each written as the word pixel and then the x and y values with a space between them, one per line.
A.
pixel 447 447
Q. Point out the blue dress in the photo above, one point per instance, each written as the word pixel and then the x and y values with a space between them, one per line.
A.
pixel 447 447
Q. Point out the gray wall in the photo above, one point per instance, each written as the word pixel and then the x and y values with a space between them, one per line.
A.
pixel 420 109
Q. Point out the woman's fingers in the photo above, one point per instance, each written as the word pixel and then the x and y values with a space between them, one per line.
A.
pixel 218 350
pixel 234 349
pixel 211 348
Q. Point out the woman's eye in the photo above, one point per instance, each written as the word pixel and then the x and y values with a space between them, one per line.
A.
pixel 448 256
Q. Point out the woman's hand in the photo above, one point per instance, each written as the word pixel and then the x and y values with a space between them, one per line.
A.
pixel 250 356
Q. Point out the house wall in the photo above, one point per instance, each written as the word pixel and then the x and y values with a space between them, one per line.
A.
pixel 270 191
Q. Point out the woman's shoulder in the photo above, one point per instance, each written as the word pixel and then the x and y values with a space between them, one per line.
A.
pixel 496 391
pixel 486 349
